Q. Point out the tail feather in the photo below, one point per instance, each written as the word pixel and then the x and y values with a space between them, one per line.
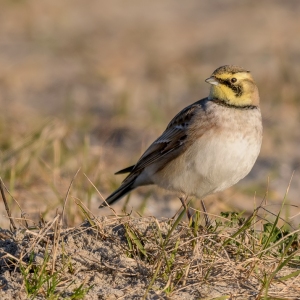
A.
pixel 126 170
pixel 117 194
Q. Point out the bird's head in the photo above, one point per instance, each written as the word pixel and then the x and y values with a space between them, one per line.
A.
pixel 233 85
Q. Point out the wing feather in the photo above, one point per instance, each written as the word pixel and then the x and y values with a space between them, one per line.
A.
pixel 174 139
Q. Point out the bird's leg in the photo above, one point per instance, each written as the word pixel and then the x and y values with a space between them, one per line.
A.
pixel 207 220
pixel 186 206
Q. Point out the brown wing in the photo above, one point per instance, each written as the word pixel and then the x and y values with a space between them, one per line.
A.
pixel 174 139
pixel 179 134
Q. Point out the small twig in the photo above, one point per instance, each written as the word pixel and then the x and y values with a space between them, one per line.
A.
pixel 6 206
pixel 19 260
pixel 4 236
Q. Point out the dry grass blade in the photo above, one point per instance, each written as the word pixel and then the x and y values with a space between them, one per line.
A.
pixel 114 212
pixel 41 235
pixel 66 198
pixel 56 240
pixel 86 212
pixel 6 206
pixel 134 239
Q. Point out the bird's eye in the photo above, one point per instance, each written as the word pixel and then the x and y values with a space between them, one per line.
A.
pixel 233 80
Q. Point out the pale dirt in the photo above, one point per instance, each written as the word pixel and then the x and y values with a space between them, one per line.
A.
pixel 98 257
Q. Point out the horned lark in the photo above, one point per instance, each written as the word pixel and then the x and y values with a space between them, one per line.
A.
pixel 207 147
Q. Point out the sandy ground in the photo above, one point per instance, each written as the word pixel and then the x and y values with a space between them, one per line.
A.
pixel 98 257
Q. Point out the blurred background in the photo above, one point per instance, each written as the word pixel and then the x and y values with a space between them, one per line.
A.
pixel 90 85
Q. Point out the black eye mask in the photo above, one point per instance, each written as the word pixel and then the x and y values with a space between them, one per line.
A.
pixel 237 89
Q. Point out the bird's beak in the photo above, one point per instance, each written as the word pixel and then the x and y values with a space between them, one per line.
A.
pixel 212 80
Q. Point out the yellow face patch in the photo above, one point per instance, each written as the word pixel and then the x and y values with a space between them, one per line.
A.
pixel 233 88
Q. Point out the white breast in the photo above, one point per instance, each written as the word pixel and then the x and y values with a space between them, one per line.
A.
pixel 218 159
pixel 222 162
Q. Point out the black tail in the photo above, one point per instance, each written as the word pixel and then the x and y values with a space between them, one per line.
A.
pixel 124 189
pixel 126 170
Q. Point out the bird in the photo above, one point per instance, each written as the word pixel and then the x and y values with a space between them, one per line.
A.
pixel 208 146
